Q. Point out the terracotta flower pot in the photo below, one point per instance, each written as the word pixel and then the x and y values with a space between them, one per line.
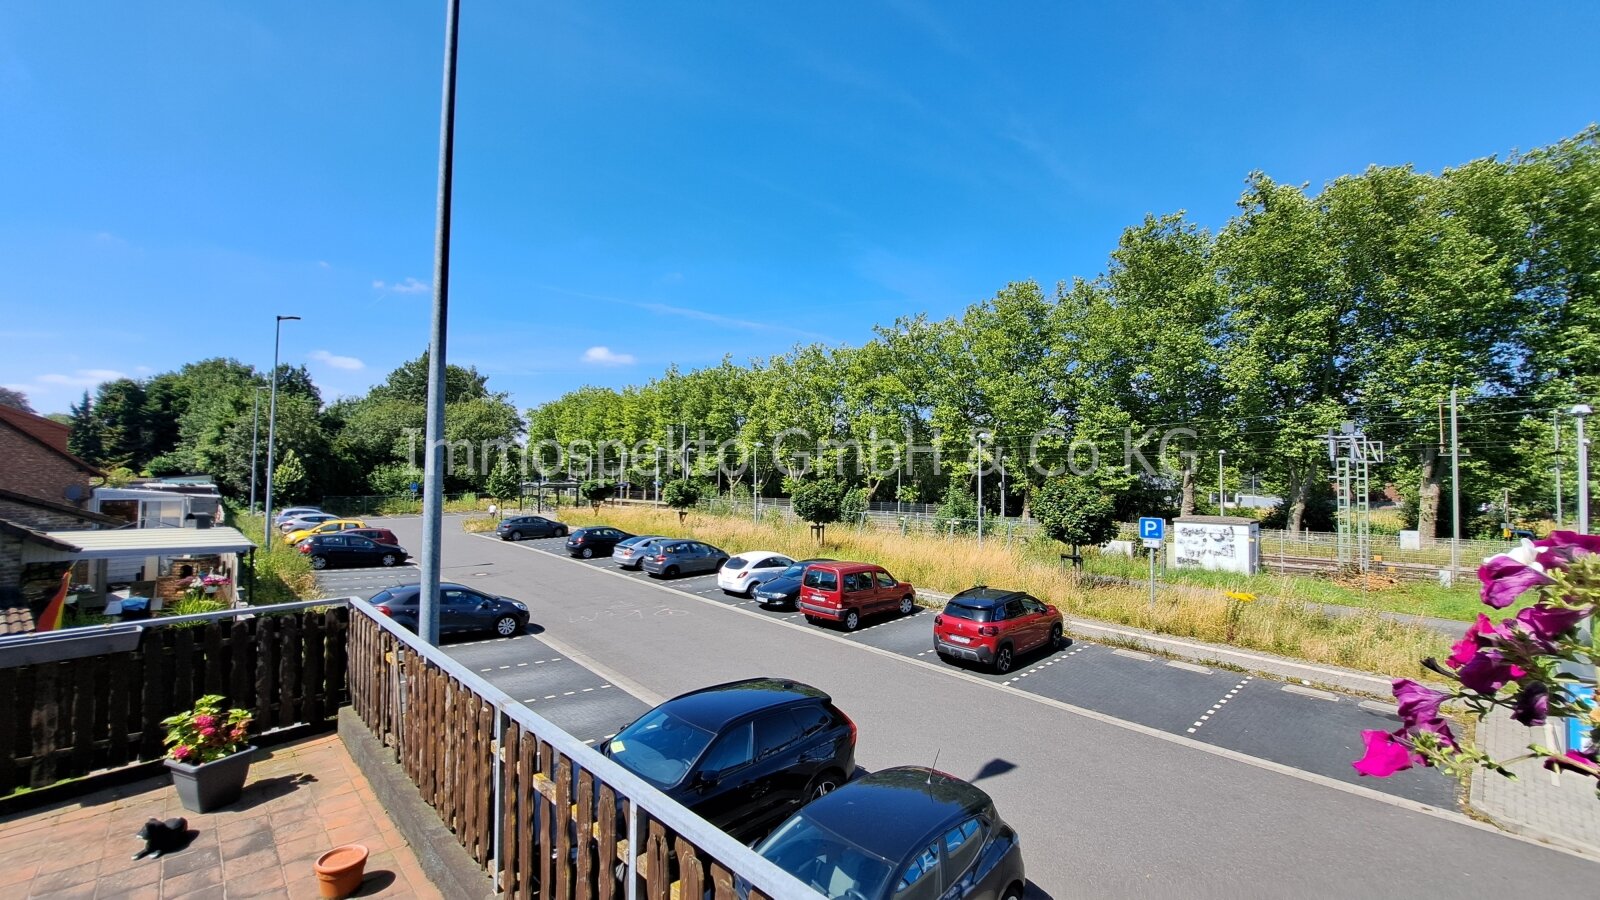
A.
pixel 339 870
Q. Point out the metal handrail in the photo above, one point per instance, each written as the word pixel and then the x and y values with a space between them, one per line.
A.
pixel 746 863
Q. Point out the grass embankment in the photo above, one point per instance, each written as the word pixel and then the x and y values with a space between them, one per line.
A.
pixel 1285 627
pixel 282 573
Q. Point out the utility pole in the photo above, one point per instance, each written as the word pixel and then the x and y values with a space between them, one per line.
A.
pixel 1222 502
pixel 272 432
pixel 1455 489
pixel 1580 412
pixel 755 479
pixel 255 443
pixel 1555 431
pixel 983 439
pixel 658 474
pixel 433 477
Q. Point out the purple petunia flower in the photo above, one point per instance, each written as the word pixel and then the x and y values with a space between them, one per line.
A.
pixel 1487 672
pixel 1573 761
pixel 1386 755
pixel 1478 636
pixel 1532 704
pixel 1507 576
pixel 1418 704
pixel 1548 622
pixel 1562 547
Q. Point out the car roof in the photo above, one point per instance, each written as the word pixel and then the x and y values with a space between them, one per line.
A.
pixel 711 708
pixel 411 590
pixel 983 596
pixel 754 555
pixel 596 528
pixel 845 568
pixel 892 813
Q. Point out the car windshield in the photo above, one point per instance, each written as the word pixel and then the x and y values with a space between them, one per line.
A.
pixel 972 613
pixel 821 579
pixel 832 865
pixel 659 747
pixel 793 572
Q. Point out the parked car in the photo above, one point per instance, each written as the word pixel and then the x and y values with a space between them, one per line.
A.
pixel 741 755
pixel 847 592
pixel 744 572
pixel 461 609
pixel 516 528
pixel 669 559
pixel 305 520
pixel 381 535
pixel 909 833
pixel 331 526
pixel 336 551
pixel 294 512
pixel 994 626
pixel 630 552
pixel 596 540
pixel 784 590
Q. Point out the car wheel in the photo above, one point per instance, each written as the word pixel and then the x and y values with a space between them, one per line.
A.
pixel 1055 637
pixel 1002 660
pixel 852 620
pixel 906 606
pixel 505 626
pixel 670 572
pixel 824 784
pixel 318 562
pixel 750 589
pixel 587 553
pixel 388 560
pixel 1013 892
pixel 561 533
pixel 515 535
pixel 811 620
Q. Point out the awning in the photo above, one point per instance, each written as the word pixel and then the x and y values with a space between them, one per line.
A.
pixel 139 542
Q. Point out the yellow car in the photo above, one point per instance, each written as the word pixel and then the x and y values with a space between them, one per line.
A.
pixel 331 526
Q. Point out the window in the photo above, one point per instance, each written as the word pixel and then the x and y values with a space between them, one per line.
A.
pixel 729 752
pixel 812 719
pixel 920 879
pixel 458 598
pixel 774 562
pixel 821 579
pixel 885 580
pixel 737 563
pixel 332 541
pixel 359 543
pixel 961 845
pixel 858 581
pixel 1032 606
pixel 774 732
pixel 1014 609
pixel 970 613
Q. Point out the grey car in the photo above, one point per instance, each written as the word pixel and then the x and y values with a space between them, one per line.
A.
pixel 630 553
pixel 669 559
pixel 461 609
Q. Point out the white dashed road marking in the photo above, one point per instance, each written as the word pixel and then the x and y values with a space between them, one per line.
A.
pixel 1218 705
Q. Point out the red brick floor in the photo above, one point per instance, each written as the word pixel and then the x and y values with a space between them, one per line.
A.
pixel 301 800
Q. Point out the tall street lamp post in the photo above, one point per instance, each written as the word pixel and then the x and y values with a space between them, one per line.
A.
pixel 272 428
pixel 755 478
pixel 983 440
pixel 1581 412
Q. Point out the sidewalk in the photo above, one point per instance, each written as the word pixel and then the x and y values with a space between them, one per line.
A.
pixel 301 800
pixel 1560 810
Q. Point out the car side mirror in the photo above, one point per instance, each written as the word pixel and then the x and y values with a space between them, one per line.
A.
pixel 705 780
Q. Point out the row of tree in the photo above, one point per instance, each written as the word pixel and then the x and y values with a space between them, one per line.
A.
pixel 1365 302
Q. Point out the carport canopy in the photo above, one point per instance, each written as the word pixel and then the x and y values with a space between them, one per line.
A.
pixel 125 542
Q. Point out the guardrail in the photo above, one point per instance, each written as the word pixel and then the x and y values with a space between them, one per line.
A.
pixel 546 815
pixel 82 700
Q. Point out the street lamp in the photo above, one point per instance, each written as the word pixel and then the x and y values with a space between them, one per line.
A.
pixel 755 482
pixel 1580 412
pixel 983 438
pixel 272 426
pixel 255 443
pixel 1221 502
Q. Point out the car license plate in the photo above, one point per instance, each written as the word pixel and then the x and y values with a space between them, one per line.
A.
pixel 817 598
pixel 960 639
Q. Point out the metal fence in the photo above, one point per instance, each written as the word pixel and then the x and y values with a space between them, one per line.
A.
pixel 543 813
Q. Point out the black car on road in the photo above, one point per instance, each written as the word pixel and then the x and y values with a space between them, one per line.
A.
pixel 911 833
pixel 784 591
pixel 516 528
pixel 669 559
pixel 461 609
pixel 741 755
pixel 595 540
pixel 332 551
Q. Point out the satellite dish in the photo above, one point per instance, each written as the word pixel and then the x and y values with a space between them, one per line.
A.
pixel 74 492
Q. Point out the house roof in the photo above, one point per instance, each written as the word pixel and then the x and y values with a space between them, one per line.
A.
pixel 65 509
pixel 125 542
pixel 47 433
pixel 28 534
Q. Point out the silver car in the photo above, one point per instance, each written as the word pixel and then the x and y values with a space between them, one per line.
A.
pixel 630 553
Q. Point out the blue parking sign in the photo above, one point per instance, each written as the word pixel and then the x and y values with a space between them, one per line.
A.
pixel 1152 528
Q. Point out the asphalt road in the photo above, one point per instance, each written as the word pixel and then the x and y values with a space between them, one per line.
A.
pixel 1125 775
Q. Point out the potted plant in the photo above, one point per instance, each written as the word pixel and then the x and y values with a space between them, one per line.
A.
pixel 209 754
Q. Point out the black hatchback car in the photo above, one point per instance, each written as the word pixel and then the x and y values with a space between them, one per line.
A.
pixel 461 609
pixel 784 591
pixel 516 528
pixel 910 833
pixel 330 551
pixel 741 755
pixel 595 540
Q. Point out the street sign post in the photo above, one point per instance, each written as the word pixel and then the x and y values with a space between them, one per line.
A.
pixel 1151 531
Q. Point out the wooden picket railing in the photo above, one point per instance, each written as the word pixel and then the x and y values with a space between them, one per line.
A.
pixel 546 815
pixel 70 717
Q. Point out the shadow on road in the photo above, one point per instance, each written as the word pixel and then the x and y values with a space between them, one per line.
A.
pixel 993 768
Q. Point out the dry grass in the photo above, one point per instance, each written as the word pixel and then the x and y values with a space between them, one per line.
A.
pixel 1365 642
pixel 478 524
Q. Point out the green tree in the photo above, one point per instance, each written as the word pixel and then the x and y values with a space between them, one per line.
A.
pixel 681 495
pixel 1075 511
pixel 819 502
pixel 15 399
pixel 83 435
pixel 289 479
pixel 597 492
pixel 957 512
pixel 504 482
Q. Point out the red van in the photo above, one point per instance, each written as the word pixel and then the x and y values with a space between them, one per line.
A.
pixel 846 593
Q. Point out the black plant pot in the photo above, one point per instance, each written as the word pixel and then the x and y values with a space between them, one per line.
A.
pixel 211 785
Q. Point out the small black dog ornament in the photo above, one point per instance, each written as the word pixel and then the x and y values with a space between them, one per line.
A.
pixel 162 837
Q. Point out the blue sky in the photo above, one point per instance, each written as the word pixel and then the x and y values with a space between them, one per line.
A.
pixel 674 182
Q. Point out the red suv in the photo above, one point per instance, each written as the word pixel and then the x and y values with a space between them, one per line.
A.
pixel 381 535
pixel 847 592
pixel 993 626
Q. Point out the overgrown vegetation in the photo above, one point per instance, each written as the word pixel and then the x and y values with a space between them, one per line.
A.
pixel 282 573
pixel 1286 627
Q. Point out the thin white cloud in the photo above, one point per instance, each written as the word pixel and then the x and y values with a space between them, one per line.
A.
pixel 81 378
pixel 348 363
pixel 603 356
pixel 409 286
pixel 667 309
pixel 323 264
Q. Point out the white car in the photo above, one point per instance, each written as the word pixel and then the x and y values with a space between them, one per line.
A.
pixel 743 573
